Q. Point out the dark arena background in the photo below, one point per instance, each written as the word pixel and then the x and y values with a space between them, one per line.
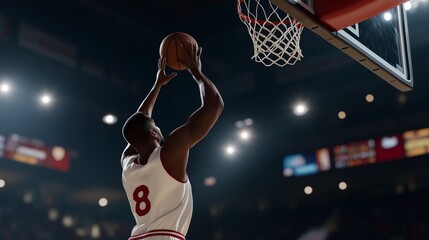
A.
pixel 323 149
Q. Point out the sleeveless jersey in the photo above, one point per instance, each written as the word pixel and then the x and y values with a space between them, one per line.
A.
pixel 161 205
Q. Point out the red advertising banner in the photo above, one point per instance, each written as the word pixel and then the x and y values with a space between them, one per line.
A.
pixel 390 148
pixel 56 158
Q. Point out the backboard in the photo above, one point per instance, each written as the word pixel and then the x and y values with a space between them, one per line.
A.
pixel 379 43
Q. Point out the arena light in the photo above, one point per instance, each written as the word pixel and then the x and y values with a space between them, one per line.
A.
pixel 408 5
pixel 244 123
pixel 53 214
pixel 68 221
pixel 28 197
pixel 209 181
pixel 5 88
pixel 342 115
pixel 2 183
pixel 45 99
pixel 103 202
pixel 414 4
pixel 248 122
pixel 244 134
pixel 300 109
pixel 81 232
pixel 230 150
pixel 95 231
pixel 110 119
pixel 369 98
pixel 342 186
pixel 387 16
pixel 308 190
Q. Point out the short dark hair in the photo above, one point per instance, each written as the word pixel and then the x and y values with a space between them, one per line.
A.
pixel 136 128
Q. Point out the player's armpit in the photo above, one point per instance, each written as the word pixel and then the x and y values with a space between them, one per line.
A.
pixel 128 151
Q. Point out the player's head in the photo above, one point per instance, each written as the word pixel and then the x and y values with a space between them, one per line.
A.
pixel 140 131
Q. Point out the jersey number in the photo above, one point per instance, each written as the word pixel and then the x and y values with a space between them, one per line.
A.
pixel 140 195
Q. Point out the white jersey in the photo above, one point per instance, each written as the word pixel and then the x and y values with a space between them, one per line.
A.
pixel 161 205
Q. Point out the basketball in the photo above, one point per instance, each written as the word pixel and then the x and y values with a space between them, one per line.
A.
pixel 173 47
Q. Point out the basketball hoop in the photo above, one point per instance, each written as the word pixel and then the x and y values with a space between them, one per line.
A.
pixel 275 35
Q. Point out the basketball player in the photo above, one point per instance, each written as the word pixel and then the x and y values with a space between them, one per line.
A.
pixel 154 170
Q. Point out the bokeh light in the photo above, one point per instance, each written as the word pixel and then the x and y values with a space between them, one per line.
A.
pixel 5 88
pixel 300 109
pixel 45 99
pixel 110 119
pixel 209 181
pixel 369 98
pixel 103 202
pixel 308 190
pixel 342 115
pixel 230 150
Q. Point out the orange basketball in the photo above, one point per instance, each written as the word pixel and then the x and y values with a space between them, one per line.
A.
pixel 173 47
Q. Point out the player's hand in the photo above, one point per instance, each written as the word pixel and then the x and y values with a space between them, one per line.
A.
pixel 161 77
pixel 193 59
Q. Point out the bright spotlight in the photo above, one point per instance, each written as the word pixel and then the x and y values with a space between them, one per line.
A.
pixel 244 135
pixel 342 115
pixel 300 109
pixel 103 202
pixel 5 88
pixel 308 190
pixel 408 5
pixel 2 183
pixel 110 119
pixel 369 98
pixel 230 150
pixel 46 99
pixel 387 16
pixel 342 186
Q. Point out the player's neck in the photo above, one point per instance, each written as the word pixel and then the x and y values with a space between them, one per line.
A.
pixel 144 154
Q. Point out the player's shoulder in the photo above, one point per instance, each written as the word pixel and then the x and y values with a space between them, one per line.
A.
pixel 128 155
pixel 128 151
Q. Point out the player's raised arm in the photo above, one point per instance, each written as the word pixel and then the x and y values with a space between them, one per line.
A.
pixel 135 128
pixel 148 103
pixel 201 121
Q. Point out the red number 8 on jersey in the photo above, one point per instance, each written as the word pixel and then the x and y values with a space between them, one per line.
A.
pixel 140 195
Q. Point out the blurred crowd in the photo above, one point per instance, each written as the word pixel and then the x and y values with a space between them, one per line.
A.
pixel 385 216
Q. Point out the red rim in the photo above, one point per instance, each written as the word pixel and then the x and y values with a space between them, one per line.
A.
pixel 246 18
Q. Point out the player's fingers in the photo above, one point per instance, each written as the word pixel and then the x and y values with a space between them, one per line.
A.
pixel 172 75
pixel 200 50
pixel 194 50
pixel 160 62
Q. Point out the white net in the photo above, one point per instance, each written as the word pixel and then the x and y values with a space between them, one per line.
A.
pixel 275 35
